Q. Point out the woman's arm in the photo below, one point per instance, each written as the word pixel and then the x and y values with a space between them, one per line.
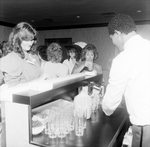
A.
pixel 11 68
pixel 78 67
pixel 44 76
pixel 98 68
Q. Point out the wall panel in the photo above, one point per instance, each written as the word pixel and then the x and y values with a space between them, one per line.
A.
pixel 4 33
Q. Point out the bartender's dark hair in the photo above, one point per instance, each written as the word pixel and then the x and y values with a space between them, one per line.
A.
pixel 121 22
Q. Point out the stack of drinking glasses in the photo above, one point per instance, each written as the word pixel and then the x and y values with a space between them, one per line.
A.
pixel 96 100
pixel 63 118
pixel 80 121
pixel 60 122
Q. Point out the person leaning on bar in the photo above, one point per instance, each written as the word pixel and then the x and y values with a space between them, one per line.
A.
pixel 53 68
pixel 73 54
pixel 88 61
pixel 130 76
pixel 20 64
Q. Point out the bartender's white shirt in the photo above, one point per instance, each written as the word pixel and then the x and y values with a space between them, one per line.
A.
pixel 130 75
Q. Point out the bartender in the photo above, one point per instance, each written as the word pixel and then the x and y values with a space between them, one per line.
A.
pixel 129 79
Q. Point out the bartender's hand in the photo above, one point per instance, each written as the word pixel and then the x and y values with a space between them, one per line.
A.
pixel 89 65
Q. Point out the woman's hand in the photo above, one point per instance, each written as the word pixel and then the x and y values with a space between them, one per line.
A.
pixel 89 65
pixel 44 76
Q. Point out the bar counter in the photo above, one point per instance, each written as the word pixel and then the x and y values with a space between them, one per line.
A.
pixel 101 131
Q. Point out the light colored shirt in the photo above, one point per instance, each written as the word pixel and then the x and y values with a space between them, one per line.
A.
pixel 70 64
pixel 55 70
pixel 130 76
pixel 79 67
pixel 42 66
pixel 17 70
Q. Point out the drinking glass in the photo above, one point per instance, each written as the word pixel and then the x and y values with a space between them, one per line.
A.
pixel 62 126
pixel 79 121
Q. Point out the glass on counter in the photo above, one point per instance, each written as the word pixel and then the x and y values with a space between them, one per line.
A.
pixel 80 121
pixel 63 120
pixel 58 120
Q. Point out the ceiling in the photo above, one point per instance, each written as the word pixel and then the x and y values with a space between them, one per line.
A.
pixel 57 14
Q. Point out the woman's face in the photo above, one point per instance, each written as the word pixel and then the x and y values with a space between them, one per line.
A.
pixel 89 56
pixel 72 54
pixel 26 45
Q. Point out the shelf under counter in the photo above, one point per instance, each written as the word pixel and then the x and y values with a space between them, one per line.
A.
pixel 101 131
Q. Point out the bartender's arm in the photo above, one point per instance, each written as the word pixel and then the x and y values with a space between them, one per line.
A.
pixel 116 87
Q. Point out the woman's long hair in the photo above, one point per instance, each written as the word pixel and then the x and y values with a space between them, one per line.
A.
pixel 89 47
pixel 76 49
pixel 21 32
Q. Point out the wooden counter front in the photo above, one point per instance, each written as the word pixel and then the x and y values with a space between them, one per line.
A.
pixel 101 131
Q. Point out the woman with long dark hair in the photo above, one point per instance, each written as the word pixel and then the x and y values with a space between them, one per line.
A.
pixel 73 53
pixel 20 64
pixel 88 61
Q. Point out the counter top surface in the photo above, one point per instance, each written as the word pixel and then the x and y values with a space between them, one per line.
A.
pixel 101 131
